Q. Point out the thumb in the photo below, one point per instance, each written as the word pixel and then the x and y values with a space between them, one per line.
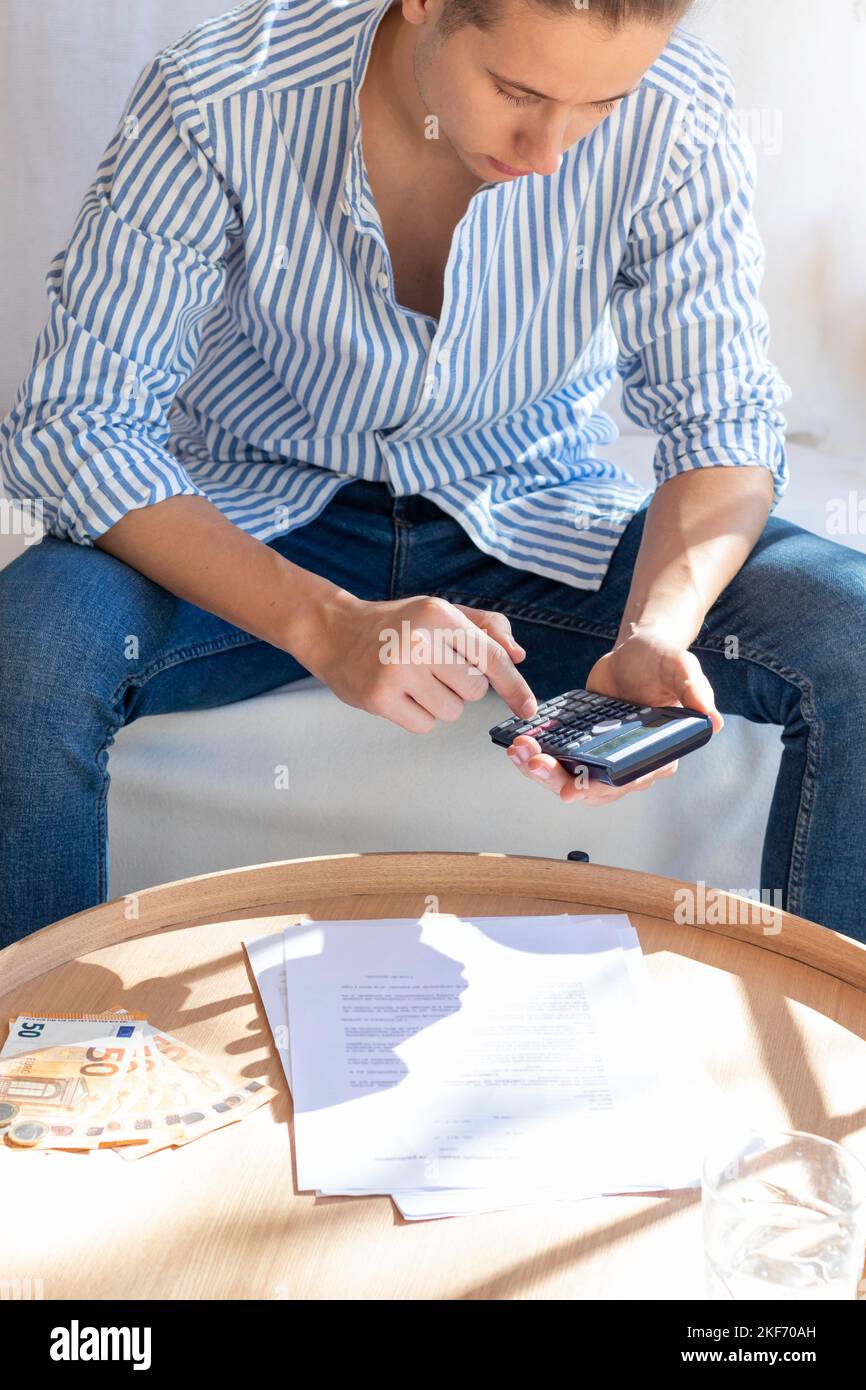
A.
pixel 694 690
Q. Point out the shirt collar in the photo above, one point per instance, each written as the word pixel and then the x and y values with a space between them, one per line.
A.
pixel 364 41
pixel 361 50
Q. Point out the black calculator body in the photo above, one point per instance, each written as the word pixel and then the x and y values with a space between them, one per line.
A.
pixel 614 741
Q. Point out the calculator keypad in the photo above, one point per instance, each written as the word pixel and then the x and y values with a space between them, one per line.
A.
pixel 571 720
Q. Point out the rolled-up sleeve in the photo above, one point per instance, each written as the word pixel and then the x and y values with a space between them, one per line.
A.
pixel 87 437
pixel 693 335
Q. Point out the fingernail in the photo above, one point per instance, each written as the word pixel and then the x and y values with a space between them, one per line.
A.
pixel 519 755
pixel 529 708
pixel 541 771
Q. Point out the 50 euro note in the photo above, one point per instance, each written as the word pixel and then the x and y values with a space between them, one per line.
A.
pixel 60 1075
pixel 176 1094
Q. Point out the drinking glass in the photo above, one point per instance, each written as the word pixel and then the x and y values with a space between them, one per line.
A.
pixel 784 1218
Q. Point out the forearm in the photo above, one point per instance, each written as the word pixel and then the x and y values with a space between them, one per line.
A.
pixel 186 545
pixel 700 529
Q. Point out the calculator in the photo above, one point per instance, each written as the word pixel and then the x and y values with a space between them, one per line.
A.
pixel 615 741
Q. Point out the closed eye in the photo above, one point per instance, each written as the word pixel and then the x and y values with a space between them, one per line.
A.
pixel 603 106
pixel 515 101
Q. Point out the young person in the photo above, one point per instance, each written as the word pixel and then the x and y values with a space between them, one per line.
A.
pixel 325 353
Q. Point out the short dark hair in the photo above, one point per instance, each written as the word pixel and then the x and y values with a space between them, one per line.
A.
pixel 612 14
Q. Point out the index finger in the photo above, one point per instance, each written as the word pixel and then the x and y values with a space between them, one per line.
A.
pixel 491 658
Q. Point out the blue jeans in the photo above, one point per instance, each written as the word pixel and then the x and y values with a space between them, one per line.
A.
pixel 70 678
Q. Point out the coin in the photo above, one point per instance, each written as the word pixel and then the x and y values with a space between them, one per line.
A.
pixel 26 1134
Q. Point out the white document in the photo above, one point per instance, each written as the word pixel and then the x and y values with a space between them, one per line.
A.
pixel 702 1096
pixel 697 1097
pixel 511 1055
pixel 267 960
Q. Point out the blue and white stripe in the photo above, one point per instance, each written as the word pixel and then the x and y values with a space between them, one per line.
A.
pixel 223 319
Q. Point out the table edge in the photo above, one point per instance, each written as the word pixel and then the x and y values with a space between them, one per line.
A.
pixel 362 874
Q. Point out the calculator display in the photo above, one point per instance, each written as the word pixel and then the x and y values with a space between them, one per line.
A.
pixel 632 735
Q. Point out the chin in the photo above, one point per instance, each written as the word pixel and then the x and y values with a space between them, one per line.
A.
pixel 475 163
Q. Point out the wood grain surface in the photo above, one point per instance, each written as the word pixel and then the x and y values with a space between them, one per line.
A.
pixel 774 1009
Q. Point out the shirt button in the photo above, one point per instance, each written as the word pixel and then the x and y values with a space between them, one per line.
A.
pixel 382 277
pixel 345 209
pixel 442 356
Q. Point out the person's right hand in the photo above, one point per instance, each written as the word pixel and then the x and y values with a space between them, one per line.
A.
pixel 417 659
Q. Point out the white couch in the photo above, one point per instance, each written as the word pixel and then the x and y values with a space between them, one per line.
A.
pixel 196 792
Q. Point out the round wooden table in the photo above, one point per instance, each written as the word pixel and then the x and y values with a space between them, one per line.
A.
pixel 777 1013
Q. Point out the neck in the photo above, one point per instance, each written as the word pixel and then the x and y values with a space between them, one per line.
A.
pixel 392 67
pixel 394 89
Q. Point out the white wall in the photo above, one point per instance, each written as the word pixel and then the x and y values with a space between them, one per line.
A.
pixel 804 64
pixel 800 71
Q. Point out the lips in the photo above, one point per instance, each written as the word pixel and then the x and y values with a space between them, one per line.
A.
pixel 505 168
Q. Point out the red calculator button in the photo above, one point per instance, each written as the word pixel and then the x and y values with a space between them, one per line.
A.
pixel 539 728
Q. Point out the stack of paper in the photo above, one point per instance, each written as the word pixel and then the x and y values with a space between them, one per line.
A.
pixel 469 1064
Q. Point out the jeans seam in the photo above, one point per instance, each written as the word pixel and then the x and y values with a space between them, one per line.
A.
pixel 529 611
pixel 102 822
pixel 400 559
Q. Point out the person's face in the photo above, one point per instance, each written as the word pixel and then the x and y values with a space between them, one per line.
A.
pixel 474 80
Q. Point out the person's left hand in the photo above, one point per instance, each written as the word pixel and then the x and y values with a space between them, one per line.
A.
pixel 647 668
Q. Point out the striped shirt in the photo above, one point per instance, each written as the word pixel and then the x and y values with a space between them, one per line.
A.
pixel 223 319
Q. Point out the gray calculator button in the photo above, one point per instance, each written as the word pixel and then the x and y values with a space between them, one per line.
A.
pixel 605 725
pixel 646 709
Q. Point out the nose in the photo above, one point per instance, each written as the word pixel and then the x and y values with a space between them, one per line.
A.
pixel 541 146
pixel 541 159
pixel 544 163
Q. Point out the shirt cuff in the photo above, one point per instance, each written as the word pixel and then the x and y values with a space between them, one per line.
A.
pixel 130 480
pixel 718 446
